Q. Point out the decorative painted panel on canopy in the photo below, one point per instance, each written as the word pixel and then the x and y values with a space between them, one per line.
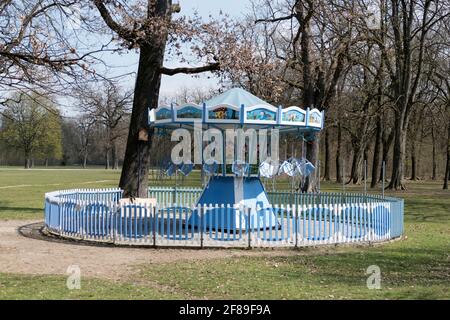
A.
pixel 261 114
pixel 315 118
pixel 162 114
pixel 223 113
pixel 188 113
pixel 293 116
pixel 237 106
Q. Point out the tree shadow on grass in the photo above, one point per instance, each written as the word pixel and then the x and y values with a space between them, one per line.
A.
pixel 427 210
pixel 20 209
pixel 405 274
pixel 399 267
pixel 12 212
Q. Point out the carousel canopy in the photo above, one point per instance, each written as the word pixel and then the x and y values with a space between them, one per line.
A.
pixel 237 97
pixel 236 108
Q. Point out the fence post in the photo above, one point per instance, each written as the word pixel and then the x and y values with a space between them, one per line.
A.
pixel 153 217
pixel 114 222
pixel 57 202
pixel 296 224
pixel 201 225
pixel 382 182
pixel 249 230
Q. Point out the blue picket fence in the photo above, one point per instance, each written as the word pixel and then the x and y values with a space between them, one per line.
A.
pixel 301 219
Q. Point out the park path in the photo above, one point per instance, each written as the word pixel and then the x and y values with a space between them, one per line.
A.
pixel 24 255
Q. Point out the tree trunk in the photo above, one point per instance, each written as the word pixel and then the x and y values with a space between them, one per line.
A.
pixel 115 158
pixel 315 93
pixel 413 161
pixel 376 153
pixel 404 85
pixel 365 163
pixel 416 128
pixel 387 142
pixel 398 158
pixel 107 159
pixel 447 170
pixel 311 155
pixel 447 166
pixel 85 156
pixel 356 166
pixel 308 92
pixel 338 155
pixel 27 162
pixel 381 87
pixel 326 175
pixel 433 137
pixel 46 162
pixel 134 177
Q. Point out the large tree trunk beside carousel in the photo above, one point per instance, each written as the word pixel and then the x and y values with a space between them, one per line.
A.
pixel 151 40
pixel 134 177
pixel 151 44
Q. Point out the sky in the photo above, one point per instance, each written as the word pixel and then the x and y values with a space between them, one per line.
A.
pixel 127 63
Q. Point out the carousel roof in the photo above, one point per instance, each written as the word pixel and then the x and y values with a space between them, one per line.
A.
pixel 236 108
pixel 237 97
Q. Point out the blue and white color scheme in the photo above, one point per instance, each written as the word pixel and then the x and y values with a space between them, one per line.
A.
pixel 164 114
pixel 188 113
pixel 293 116
pixel 233 210
pixel 307 219
pixel 261 114
pixel 234 109
pixel 245 193
pixel 238 107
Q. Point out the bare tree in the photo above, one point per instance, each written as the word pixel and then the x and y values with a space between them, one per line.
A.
pixel 411 24
pixel 85 129
pixel 109 107
pixel 318 39
pixel 40 50
pixel 441 82
pixel 148 26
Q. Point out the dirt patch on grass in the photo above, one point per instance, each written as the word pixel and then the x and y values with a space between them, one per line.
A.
pixel 25 255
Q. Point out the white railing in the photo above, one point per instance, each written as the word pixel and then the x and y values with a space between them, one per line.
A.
pixel 309 220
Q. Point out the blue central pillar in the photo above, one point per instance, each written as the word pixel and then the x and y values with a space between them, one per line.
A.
pixel 246 198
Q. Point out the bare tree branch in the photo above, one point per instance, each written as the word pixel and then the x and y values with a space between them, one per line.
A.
pixel 188 70
pixel 125 33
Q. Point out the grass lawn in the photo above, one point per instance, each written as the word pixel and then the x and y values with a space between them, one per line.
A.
pixel 22 191
pixel 54 287
pixel 418 267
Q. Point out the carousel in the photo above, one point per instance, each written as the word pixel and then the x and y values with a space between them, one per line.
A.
pixel 235 180
pixel 232 208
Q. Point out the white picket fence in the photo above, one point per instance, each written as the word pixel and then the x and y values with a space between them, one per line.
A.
pixel 308 220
